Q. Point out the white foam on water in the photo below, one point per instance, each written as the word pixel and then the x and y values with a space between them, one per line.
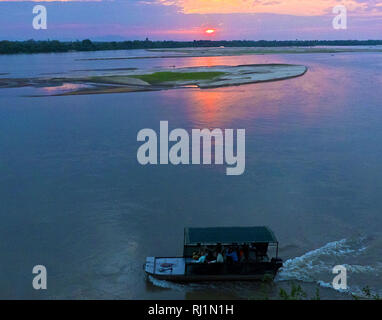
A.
pixel 306 266
pixel 317 264
pixel 173 285
pixel 165 284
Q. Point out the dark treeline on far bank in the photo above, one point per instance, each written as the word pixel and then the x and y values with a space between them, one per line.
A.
pixel 32 46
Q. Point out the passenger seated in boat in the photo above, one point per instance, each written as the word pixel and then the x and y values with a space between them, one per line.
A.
pixel 202 258
pixel 241 255
pixel 246 252
pixel 231 256
pixel 195 256
pixel 219 258
pixel 210 256
pixel 253 253
pixel 228 257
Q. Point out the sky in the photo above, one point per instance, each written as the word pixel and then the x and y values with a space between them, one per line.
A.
pixel 102 20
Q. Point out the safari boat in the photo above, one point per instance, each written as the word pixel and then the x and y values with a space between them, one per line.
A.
pixel 242 251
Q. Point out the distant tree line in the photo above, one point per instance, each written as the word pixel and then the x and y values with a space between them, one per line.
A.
pixel 32 46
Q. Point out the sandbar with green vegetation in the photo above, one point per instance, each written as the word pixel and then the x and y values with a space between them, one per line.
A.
pixel 150 80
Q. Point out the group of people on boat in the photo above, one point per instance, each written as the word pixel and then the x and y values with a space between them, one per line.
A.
pixel 219 254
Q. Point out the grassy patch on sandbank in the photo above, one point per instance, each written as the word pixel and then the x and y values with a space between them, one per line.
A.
pixel 166 76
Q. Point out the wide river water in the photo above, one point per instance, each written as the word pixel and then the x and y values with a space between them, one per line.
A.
pixel 74 198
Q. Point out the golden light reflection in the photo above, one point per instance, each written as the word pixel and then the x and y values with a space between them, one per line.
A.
pixel 220 108
pixel 206 61
pixel 272 106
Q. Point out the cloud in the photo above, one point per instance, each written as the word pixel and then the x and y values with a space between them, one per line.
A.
pixel 286 7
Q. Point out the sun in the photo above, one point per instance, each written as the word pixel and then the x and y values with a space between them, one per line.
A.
pixel 210 31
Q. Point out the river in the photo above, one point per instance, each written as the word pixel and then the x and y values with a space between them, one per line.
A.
pixel 74 198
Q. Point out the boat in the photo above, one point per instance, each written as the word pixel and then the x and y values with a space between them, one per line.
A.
pixel 251 243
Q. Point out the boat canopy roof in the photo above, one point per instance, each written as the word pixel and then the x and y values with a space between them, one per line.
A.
pixel 228 235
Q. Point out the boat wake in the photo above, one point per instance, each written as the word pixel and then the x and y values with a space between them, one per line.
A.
pixel 165 284
pixel 174 285
pixel 317 265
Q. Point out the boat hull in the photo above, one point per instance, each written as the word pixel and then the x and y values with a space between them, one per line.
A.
pixel 181 270
pixel 200 278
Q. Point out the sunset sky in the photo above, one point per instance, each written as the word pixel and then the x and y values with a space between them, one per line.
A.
pixel 189 19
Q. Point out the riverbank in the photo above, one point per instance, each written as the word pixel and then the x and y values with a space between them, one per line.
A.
pixel 53 46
